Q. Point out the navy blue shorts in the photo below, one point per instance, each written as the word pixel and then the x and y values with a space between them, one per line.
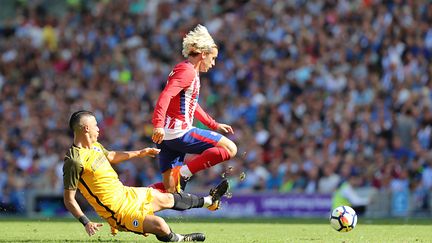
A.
pixel 195 141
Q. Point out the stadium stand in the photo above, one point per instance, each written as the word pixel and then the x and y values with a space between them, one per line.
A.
pixel 315 90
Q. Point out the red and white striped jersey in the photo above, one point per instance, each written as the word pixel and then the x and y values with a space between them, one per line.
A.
pixel 178 103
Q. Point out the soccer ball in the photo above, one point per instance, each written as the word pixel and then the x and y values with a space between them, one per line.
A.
pixel 343 219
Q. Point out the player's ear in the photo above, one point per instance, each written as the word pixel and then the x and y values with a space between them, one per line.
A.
pixel 85 128
pixel 203 55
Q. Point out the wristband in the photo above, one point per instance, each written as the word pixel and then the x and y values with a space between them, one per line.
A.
pixel 84 220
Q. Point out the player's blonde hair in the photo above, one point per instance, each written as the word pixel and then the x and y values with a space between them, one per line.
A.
pixel 197 41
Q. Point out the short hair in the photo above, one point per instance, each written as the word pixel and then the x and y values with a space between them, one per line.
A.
pixel 197 41
pixel 76 118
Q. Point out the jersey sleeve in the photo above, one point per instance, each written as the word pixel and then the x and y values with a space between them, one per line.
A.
pixel 179 79
pixel 72 169
pixel 205 118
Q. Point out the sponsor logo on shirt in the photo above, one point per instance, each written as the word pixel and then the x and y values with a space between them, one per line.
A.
pixel 98 162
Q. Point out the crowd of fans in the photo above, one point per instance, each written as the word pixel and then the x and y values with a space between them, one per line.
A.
pixel 315 90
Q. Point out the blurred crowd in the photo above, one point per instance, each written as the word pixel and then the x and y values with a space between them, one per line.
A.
pixel 315 90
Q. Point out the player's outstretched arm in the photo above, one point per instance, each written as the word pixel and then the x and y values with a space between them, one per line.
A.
pixel 207 120
pixel 74 208
pixel 119 156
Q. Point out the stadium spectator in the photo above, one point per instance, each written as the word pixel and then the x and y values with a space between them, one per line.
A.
pixel 343 77
pixel 87 167
pixel 329 180
pixel 345 194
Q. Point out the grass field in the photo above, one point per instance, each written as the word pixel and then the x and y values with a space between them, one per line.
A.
pixel 227 230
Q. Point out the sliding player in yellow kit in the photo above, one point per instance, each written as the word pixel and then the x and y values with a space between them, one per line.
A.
pixel 88 168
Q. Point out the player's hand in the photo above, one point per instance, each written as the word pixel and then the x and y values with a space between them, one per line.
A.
pixel 152 152
pixel 158 135
pixel 91 228
pixel 224 128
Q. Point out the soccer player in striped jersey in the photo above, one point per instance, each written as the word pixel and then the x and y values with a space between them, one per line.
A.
pixel 87 167
pixel 175 110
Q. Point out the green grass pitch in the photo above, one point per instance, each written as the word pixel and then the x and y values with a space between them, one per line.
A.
pixel 226 230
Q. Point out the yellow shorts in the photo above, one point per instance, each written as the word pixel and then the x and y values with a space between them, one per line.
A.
pixel 132 212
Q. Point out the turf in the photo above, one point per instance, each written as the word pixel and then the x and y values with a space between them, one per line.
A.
pixel 226 230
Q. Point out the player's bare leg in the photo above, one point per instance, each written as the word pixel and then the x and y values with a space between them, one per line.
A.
pixel 229 145
pixel 173 181
pixel 169 181
pixel 162 200
pixel 156 225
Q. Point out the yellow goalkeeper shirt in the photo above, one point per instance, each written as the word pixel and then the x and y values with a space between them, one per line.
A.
pixel 90 171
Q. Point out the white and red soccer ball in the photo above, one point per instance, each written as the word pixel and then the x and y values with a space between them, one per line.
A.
pixel 343 219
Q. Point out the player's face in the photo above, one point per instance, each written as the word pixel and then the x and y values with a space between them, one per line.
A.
pixel 92 128
pixel 209 60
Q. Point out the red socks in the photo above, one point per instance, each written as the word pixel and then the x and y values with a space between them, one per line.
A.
pixel 158 186
pixel 208 158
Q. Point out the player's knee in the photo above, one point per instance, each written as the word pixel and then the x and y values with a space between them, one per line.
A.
pixel 167 200
pixel 162 200
pixel 231 148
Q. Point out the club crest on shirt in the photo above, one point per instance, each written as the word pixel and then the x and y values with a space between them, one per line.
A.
pixel 97 149
pixel 135 223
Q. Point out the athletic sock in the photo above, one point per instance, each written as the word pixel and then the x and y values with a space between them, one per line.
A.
pixel 183 201
pixel 184 171
pixel 208 158
pixel 207 201
pixel 158 186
